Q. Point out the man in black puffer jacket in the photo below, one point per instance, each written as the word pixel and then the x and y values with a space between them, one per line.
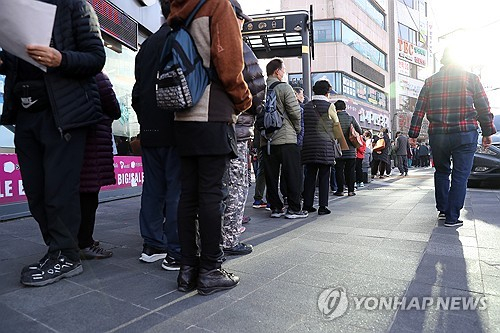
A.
pixel 52 111
pixel 236 177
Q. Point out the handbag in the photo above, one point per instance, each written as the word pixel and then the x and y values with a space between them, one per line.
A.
pixel 337 150
pixel 354 136
pixel 379 145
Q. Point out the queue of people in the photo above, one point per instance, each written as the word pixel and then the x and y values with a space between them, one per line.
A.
pixel 196 162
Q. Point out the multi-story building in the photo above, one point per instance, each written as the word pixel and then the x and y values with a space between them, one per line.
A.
pixel 125 24
pixel 373 53
pixel 351 46
pixel 413 44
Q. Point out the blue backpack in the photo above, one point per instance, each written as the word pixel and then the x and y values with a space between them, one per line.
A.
pixel 182 78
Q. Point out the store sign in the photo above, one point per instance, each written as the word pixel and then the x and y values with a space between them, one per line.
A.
pixel 128 173
pixel 11 185
pixel 264 24
pixel 408 86
pixel 368 117
pixel 412 53
pixel 116 23
pixel 404 67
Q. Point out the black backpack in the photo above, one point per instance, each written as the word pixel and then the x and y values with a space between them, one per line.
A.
pixel 270 119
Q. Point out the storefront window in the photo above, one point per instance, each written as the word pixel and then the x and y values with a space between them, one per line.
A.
pixel 120 69
pixel 323 31
pixel 358 90
pixel 373 12
pixel 355 41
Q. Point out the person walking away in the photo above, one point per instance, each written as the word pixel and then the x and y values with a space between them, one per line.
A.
pixel 284 151
pixel 402 146
pixel 206 141
pixel 236 177
pixel 161 162
pixel 318 153
pixel 97 170
pixel 52 111
pixel 345 165
pixel 454 102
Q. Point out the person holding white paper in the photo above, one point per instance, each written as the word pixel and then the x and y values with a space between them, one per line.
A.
pixel 52 111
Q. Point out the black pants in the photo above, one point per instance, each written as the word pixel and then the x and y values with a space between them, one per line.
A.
pixel 359 170
pixel 88 207
pixel 322 172
pixel 201 199
pixel 50 167
pixel 344 170
pixel 287 157
pixel 378 165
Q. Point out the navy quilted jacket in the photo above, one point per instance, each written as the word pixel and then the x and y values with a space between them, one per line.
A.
pixel 71 87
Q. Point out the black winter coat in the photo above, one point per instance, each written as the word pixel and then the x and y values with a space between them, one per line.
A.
pixel 98 167
pixel 71 87
pixel 345 122
pixel 252 73
pixel 157 126
pixel 317 147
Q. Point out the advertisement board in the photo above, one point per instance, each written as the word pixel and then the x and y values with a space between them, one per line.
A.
pixel 128 173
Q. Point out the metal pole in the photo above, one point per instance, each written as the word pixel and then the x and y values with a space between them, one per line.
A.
pixel 306 61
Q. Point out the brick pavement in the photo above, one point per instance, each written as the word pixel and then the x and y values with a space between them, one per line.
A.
pixel 384 242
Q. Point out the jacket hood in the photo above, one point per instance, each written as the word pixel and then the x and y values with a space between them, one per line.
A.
pixel 180 10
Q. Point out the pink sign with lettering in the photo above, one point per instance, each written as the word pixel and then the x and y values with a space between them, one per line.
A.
pixel 11 185
pixel 128 173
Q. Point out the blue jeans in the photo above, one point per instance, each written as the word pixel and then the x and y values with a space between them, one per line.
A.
pixel 460 148
pixel 160 197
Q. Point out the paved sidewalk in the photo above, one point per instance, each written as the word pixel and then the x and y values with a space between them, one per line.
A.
pixel 385 242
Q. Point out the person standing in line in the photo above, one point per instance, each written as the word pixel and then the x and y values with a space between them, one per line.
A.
pixel 97 169
pixel 402 147
pixel 284 151
pixel 260 177
pixel 345 164
pixel 52 111
pixel 360 155
pixel 161 162
pixel 318 154
pixel 206 140
pixel 454 101
pixel 135 145
pixel 236 177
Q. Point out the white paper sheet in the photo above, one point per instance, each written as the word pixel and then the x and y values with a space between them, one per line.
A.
pixel 24 22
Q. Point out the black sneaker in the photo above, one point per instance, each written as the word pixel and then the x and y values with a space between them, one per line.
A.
pixel 457 223
pixel 309 209
pixel 277 213
pixel 323 210
pixel 239 249
pixel 52 270
pixel 94 252
pixel 170 264
pixel 290 214
pixel 187 278
pixel 442 216
pixel 211 281
pixel 34 266
pixel 150 254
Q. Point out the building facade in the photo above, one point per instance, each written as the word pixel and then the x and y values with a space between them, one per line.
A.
pixel 373 52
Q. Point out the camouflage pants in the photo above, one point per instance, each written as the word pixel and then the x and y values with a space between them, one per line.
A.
pixel 236 182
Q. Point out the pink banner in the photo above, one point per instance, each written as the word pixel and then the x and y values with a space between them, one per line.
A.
pixel 128 173
pixel 11 185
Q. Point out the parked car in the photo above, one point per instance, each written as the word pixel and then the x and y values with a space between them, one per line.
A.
pixel 486 165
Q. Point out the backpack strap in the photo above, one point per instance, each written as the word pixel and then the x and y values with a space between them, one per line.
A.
pixel 188 20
